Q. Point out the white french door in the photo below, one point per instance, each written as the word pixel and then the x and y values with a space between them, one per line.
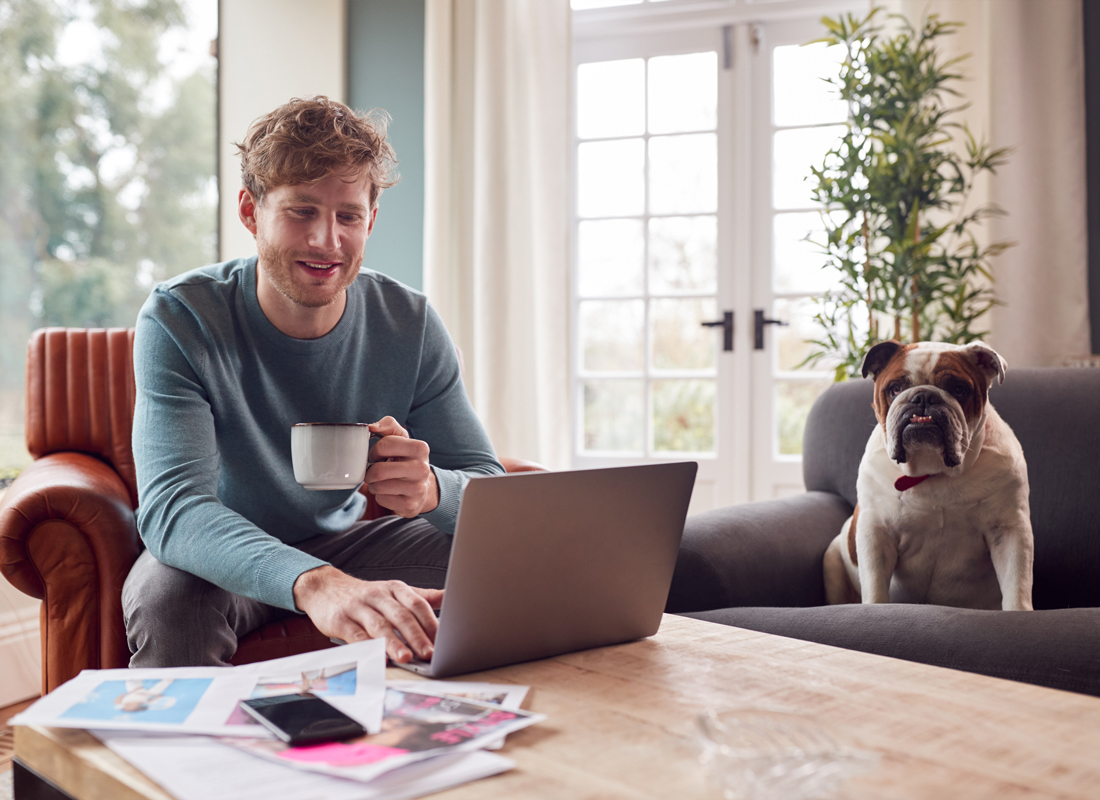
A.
pixel 796 120
pixel 687 231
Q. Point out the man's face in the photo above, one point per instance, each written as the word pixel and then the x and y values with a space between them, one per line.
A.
pixel 310 238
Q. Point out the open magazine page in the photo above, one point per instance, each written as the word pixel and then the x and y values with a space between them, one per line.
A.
pixel 201 768
pixel 351 677
pixel 414 727
pixel 505 695
pixel 205 699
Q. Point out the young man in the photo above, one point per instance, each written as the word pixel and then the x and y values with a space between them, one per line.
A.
pixel 228 357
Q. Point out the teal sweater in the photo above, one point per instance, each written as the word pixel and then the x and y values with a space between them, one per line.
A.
pixel 218 388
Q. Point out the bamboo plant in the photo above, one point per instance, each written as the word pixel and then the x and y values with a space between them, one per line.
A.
pixel 894 194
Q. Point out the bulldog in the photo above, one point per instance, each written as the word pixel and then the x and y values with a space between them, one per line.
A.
pixel 942 514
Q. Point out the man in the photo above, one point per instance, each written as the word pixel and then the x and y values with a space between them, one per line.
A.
pixel 228 357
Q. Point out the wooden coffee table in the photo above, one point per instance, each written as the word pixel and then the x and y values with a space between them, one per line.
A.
pixel 621 724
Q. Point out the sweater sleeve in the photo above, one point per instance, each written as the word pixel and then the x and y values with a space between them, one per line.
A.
pixel 442 416
pixel 180 517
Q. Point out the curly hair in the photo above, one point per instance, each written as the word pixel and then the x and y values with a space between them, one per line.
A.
pixel 305 141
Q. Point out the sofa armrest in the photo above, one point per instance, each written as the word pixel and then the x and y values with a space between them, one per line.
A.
pixel 68 536
pixel 757 554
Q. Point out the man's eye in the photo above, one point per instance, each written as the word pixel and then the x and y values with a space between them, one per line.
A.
pixel 351 219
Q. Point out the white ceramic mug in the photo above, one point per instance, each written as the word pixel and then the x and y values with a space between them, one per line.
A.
pixel 330 455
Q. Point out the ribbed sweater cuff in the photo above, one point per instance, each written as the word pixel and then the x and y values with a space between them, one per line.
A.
pixel 277 573
pixel 451 483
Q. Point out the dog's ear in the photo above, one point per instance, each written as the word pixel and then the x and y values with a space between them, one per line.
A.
pixel 987 360
pixel 878 357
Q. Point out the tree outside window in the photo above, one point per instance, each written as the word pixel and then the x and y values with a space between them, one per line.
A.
pixel 107 167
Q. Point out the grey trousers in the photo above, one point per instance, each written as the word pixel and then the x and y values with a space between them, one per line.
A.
pixel 176 619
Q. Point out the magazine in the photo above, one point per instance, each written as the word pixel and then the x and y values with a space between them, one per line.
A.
pixel 505 695
pixel 205 699
pixel 200 768
pixel 415 726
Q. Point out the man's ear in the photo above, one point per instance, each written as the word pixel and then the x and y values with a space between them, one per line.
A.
pixel 370 222
pixel 247 206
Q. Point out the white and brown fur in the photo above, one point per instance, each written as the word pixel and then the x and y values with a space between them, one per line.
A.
pixel 963 536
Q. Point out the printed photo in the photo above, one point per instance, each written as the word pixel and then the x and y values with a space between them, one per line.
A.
pixel 326 682
pixel 493 698
pixel 168 701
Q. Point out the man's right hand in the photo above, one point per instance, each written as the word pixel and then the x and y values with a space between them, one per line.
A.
pixel 347 608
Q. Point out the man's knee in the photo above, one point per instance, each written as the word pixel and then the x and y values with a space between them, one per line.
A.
pixel 174 618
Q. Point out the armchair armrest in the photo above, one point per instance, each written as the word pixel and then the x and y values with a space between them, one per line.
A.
pixel 757 554
pixel 520 465
pixel 68 536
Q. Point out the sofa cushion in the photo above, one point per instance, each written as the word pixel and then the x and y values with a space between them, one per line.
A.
pixel 1059 649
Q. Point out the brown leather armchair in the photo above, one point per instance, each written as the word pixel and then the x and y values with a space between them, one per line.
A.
pixel 67 529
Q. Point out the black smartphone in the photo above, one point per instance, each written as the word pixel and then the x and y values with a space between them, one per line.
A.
pixel 302 718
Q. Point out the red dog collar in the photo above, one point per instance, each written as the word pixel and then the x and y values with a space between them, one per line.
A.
pixel 907 482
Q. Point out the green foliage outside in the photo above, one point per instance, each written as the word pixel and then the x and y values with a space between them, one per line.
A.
pixel 107 178
pixel 903 241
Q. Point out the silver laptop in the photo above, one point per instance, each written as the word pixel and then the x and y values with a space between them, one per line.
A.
pixel 545 563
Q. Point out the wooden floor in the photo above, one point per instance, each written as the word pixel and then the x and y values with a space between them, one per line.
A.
pixel 7 742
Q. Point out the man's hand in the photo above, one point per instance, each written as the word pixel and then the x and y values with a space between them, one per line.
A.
pixel 399 475
pixel 353 610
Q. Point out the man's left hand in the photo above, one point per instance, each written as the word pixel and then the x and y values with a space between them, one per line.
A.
pixel 399 475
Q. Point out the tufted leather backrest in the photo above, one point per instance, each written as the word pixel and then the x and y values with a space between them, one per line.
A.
pixel 80 395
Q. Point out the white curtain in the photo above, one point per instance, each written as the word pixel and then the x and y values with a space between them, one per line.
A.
pixel 1026 89
pixel 496 228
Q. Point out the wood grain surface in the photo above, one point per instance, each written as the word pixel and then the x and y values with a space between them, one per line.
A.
pixel 621 724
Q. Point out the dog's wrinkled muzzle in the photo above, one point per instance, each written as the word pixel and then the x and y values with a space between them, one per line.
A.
pixel 924 421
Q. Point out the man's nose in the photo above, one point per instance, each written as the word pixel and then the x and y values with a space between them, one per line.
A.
pixel 324 234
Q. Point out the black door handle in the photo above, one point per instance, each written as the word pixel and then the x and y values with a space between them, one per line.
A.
pixel 727 329
pixel 759 321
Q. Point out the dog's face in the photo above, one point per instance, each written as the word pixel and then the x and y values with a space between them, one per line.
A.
pixel 930 398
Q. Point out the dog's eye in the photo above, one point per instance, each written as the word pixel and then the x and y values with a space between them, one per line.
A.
pixel 894 389
pixel 958 388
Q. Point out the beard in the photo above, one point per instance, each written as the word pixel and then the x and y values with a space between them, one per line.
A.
pixel 282 271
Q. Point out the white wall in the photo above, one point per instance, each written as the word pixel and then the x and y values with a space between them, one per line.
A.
pixel 270 51
pixel 20 651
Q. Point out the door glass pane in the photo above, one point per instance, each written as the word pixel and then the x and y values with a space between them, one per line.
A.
pixel 610 254
pixel 679 339
pixel 683 93
pixel 798 264
pixel 793 400
pixel 683 254
pixel 683 416
pixel 614 415
pixel 611 99
pixel 792 341
pixel 683 174
pixel 612 335
pixel 794 152
pixel 611 178
pixel 800 94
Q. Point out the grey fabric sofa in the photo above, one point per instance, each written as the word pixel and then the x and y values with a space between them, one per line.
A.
pixel 758 565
